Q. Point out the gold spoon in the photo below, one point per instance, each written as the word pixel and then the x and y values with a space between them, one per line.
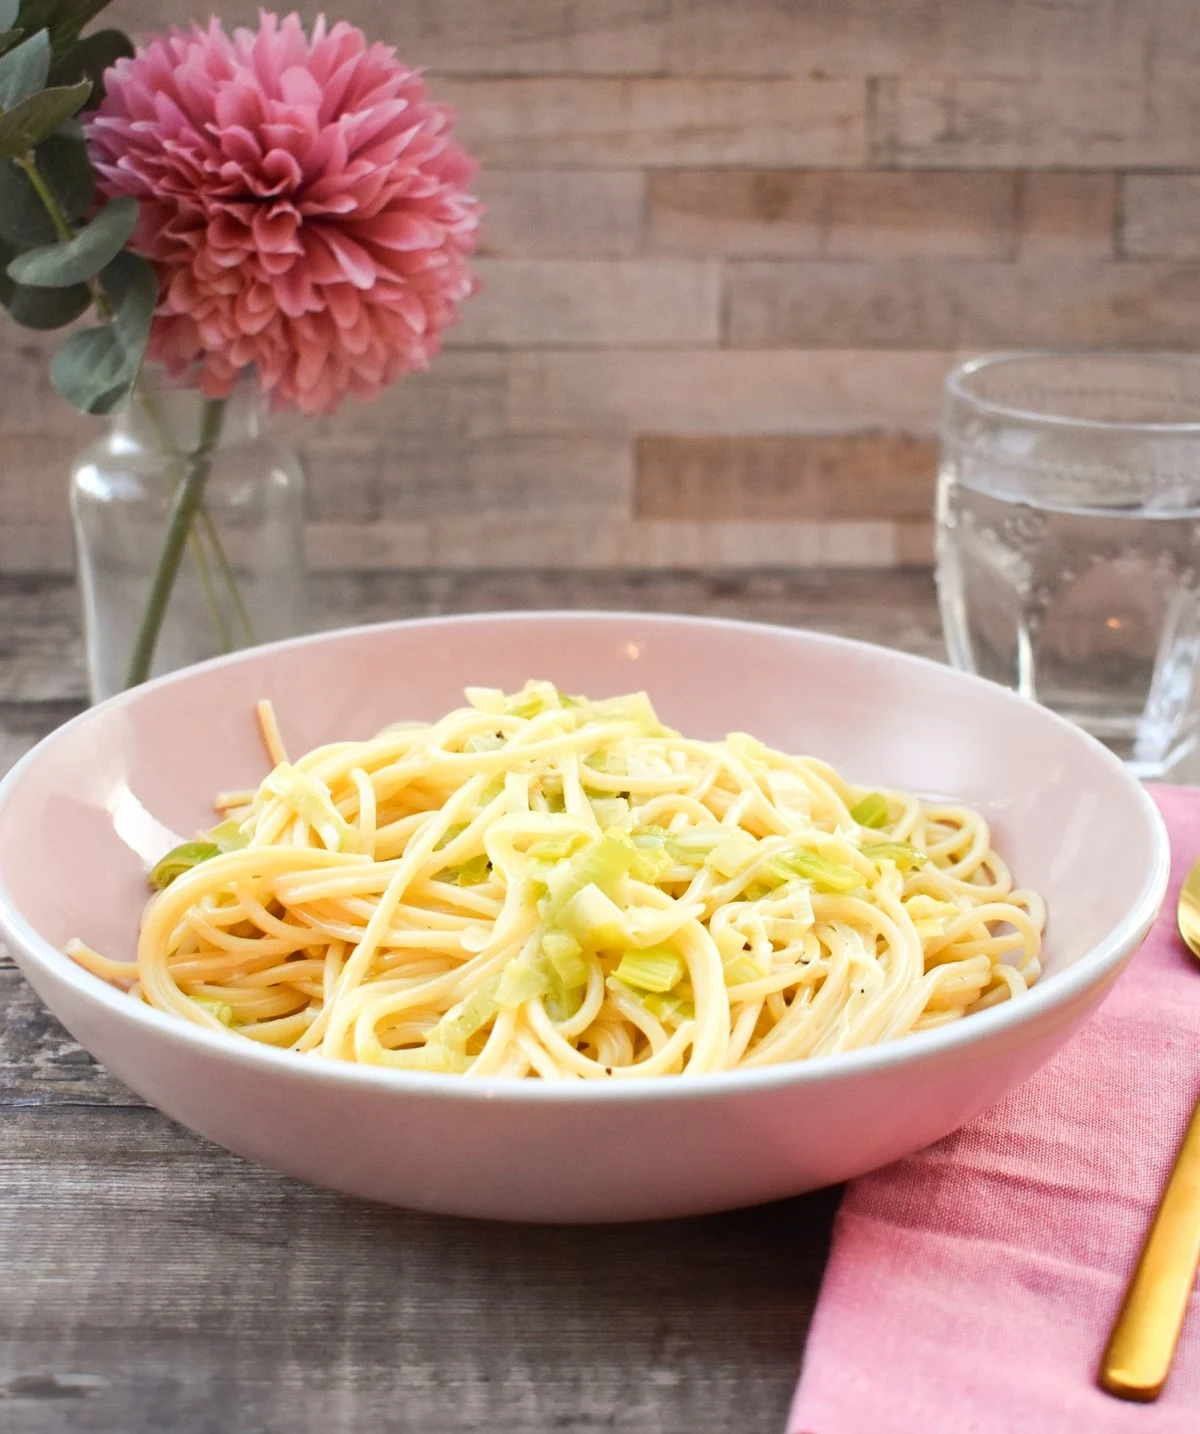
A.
pixel 1143 1338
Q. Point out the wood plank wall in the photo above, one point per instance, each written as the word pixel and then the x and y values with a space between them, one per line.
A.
pixel 732 247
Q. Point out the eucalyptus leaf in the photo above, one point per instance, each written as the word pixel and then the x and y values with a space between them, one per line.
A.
pixel 27 124
pixel 23 218
pixel 65 19
pixel 64 166
pixel 39 308
pixel 9 10
pixel 131 287
pixel 88 59
pixel 55 266
pixel 24 71
pixel 10 38
pixel 62 160
pixel 43 308
pixel 91 370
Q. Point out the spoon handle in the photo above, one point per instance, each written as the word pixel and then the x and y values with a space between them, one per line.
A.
pixel 1146 1330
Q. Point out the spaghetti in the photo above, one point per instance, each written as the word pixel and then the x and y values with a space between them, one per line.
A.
pixel 542 885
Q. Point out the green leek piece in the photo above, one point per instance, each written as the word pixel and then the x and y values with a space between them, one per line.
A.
pixel 593 919
pixel 602 865
pixel 180 859
pixel 760 890
pixel 532 700
pixel 565 956
pixel 634 707
pixel 872 811
pixel 229 835
pixel 435 1056
pixel 691 847
pixel 522 980
pixel 488 743
pixel 905 855
pixel 667 1007
pixel 733 855
pixel 657 968
pixel 730 942
pixel 744 968
pixel 462 1021
pixel 824 874
pixel 473 872
pixel 221 1009
pixel 310 799
pixel 610 811
pixel 449 834
pixel 557 847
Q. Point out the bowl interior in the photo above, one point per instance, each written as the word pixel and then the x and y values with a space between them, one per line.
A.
pixel 109 793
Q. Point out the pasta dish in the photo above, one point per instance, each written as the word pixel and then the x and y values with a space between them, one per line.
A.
pixel 544 885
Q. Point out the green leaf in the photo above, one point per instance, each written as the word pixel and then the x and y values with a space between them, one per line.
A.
pixel 62 159
pixel 39 308
pixel 9 9
pixel 63 163
pixel 27 124
pixel 10 39
pixel 24 71
pixel 65 19
pixel 43 308
pixel 131 286
pixel 91 370
pixel 54 266
pixel 88 59
pixel 23 218
pixel 96 369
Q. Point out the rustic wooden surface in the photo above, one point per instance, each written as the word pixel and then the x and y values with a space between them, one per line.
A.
pixel 721 222
pixel 150 1282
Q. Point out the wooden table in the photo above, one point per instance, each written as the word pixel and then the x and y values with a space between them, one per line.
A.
pixel 151 1282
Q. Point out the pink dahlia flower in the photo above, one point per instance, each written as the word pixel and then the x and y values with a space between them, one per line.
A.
pixel 302 201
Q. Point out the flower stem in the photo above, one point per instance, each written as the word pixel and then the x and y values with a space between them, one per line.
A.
pixel 62 225
pixel 196 548
pixel 239 607
pixel 49 203
pixel 188 496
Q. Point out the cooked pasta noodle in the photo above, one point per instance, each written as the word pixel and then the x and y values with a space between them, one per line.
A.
pixel 540 885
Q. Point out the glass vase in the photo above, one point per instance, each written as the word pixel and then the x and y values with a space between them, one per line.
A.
pixel 189 534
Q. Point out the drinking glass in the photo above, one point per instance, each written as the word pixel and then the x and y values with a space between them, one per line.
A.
pixel 1068 540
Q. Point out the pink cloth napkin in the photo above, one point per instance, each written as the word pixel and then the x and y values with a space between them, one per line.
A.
pixel 971 1287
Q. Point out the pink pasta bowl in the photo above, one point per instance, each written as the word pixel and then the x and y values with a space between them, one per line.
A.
pixel 92 807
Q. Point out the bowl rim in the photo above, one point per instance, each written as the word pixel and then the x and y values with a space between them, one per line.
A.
pixel 1044 999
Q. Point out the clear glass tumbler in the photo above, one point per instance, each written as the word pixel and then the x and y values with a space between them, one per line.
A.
pixel 1068 540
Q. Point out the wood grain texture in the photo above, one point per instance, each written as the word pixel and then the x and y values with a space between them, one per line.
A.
pixel 760 37
pixel 561 213
pixel 915 180
pixel 1160 216
pixel 836 214
pixel 1068 216
pixel 592 303
pixel 1074 121
pixel 614 391
pixel 249 1302
pixel 780 478
pixel 927 304
pixel 651 123
pixel 936 37
pixel 602 544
